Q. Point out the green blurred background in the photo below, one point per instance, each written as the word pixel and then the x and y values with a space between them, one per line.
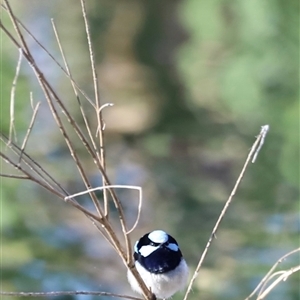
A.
pixel 191 81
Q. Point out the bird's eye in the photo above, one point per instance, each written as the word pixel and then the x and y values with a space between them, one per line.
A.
pixel 152 244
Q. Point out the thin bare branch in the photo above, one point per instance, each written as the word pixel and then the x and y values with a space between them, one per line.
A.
pixel 66 293
pixel 264 130
pixel 98 111
pixel 95 77
pixel 280 260
pixel 14 176
pixel 12 128
pixel 228 202
pixel 283 277
pixel 35 110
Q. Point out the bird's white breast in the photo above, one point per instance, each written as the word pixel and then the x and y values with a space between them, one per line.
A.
pixel 162 285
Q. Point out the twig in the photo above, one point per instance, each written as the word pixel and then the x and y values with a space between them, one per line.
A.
pixel 228 202
pixel 100 110
pixel 66 293
pixel 14 176
pixel 283 277
pixel 267 276
pixel 35 110
pixel 99 114
pixel 264 130
pixel 12 128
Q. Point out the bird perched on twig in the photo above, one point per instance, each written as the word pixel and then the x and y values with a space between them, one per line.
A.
pixel 160 264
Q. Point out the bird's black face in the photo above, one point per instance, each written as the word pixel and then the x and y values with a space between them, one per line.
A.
pixel 157 252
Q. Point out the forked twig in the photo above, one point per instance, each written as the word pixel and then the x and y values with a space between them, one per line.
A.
pixel 283 277
pixel 269 274
pixel 253 150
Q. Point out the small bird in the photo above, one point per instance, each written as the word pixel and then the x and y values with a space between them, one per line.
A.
pixel 160 264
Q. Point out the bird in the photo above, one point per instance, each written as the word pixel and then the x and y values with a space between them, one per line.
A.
pixel 160 264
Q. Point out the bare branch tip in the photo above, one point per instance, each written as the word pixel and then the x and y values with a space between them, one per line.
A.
pixel 105 105
pixel 261 138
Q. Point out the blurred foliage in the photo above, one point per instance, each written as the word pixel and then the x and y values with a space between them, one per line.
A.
pixel 192 82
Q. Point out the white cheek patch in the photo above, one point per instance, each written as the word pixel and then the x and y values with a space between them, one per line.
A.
pixel 147 250
pixel 158 236
pixel 173 247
